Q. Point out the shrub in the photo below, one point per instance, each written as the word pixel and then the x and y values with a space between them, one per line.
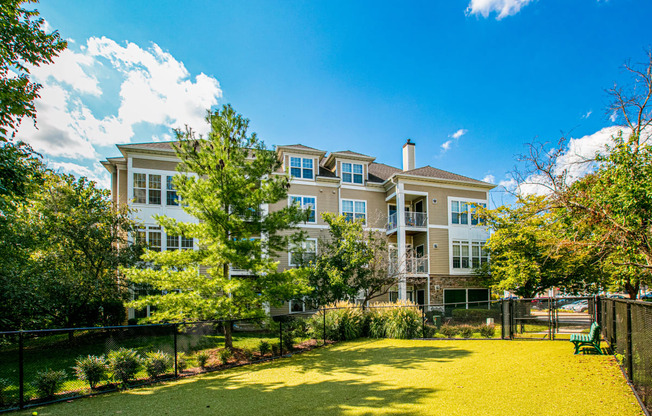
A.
pixel 182 363
pixel 403 322
pixel 202 358
pixel 375 323
pixel 124 364
pixel 276 350
pixel 4 386
pixel 248 354
pixel 487 331
pixel 466 331
pixel 225 354
pixel 344 323
pixel 47 383
pixel 288 341
pixel 448 331
pixel 435 316
pixel 157 363
pixel 92 369
pixel 263 347
pixel 475 315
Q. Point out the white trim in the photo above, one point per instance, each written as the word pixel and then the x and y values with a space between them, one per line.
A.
pixel 390 197
pixel 420 193
pixel 441 183
pixel 442 227
pixel 361 188
pixel 136 155
pixel 315 226
pixel 362 166
pixel 315 166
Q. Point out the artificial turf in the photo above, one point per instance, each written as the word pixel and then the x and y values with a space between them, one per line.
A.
pixel 390 377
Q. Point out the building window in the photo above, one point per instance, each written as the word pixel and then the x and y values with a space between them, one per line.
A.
pixel 354 210
pixel 150 236
pixel 461 211
pixel 466 298
pixel 154 193
pixel 306 202
pixel 478 254
pixel 352 173
pixel 176 242
pixel 187 243
pixel 302 305
pixel 171 198
pixel 147 189
pixel 393 296
pixel 304 254
pixel 302 167
pixel 172 243
pixel 460 254
pixel 465 258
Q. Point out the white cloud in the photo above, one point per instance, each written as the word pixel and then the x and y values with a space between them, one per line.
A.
pixel 588 114
pixel 455 137
pixel 577 160
pixel 458 134
pixel 613 117
pixel 97 173
pixel 503 8
pixel 489 179
pixel 97 95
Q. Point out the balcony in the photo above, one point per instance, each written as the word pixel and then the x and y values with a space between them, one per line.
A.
pixel 413 220
pixel 413 265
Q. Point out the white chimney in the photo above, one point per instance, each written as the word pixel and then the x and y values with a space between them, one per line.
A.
pixel 408 156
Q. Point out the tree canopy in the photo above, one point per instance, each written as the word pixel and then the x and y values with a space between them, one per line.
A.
pixel 227 181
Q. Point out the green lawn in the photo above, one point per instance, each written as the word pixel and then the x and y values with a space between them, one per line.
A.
pixel 389 377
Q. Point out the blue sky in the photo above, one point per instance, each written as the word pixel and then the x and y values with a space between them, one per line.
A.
pixel 470 81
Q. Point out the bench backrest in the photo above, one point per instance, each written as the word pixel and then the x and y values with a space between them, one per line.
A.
pixel 594 333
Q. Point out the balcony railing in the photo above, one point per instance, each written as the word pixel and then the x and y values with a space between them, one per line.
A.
pixel 412 219
pixel 413 265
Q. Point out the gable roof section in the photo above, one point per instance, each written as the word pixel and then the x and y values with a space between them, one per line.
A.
pixel 380 172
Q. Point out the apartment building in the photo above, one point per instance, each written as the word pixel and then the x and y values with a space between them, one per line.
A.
pixel 426 213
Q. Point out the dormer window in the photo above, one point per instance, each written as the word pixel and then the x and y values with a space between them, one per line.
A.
pixel 301 168
pixel 352 173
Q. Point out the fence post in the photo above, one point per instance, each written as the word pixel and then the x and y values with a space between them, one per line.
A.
pixel 502 319
pixel 614 338
pixel 423 321
pixel 512 319
pixel 21 374
pixel 630 363
pixel 324 326
pixel 550 319
pixel 176 364
pixel 280 337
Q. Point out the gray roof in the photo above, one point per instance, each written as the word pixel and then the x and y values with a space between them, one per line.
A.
pixel 149 146
pixel 380 172
pixel 300 147
pixel 430 172
pixel 350 153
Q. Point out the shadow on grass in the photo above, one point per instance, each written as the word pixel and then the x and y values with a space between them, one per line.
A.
pixel 344 391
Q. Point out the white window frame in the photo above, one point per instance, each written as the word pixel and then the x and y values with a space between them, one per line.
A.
pixel 290 263
pixel 470 244
pixel 353 174
pixel 147 230
pixel 354 212
pixel 302 167
pixel 169 189
pixel 469 212
pixel 148 188
pixel 303 206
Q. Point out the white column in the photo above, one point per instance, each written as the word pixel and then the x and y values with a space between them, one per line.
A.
pixel 400 241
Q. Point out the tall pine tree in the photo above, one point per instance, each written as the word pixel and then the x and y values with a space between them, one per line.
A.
pixel 227 180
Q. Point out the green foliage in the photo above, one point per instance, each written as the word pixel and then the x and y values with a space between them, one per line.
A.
pixel 263 347
pixel 182 362
pixel 157 363
pixel 465 331
pixel 24 44
pixel 344 323
pixel 233 174
pixel 63 274
pixel 124 364
pixel 288 341
pixel 202 358
pixel 526 257
pixel 47 383
pixel 248 354
pixel 92 369
pixel 276 349
pixel 391 320
pixel 474 315
pixel 4 386
pixel 449 331
pixel 351 261
pixel 487 331
pixel 225 355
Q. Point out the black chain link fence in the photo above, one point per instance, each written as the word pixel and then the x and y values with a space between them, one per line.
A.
pixel 627 328
pixel 38 367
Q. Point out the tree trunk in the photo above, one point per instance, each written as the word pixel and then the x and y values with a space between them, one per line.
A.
pixel 228 334
pixel 632 290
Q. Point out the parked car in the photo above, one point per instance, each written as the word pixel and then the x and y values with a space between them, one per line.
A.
pixel 647 297
pixel 571 306
pixel 581 306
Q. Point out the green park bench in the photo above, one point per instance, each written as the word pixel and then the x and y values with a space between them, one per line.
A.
pixel 590 340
